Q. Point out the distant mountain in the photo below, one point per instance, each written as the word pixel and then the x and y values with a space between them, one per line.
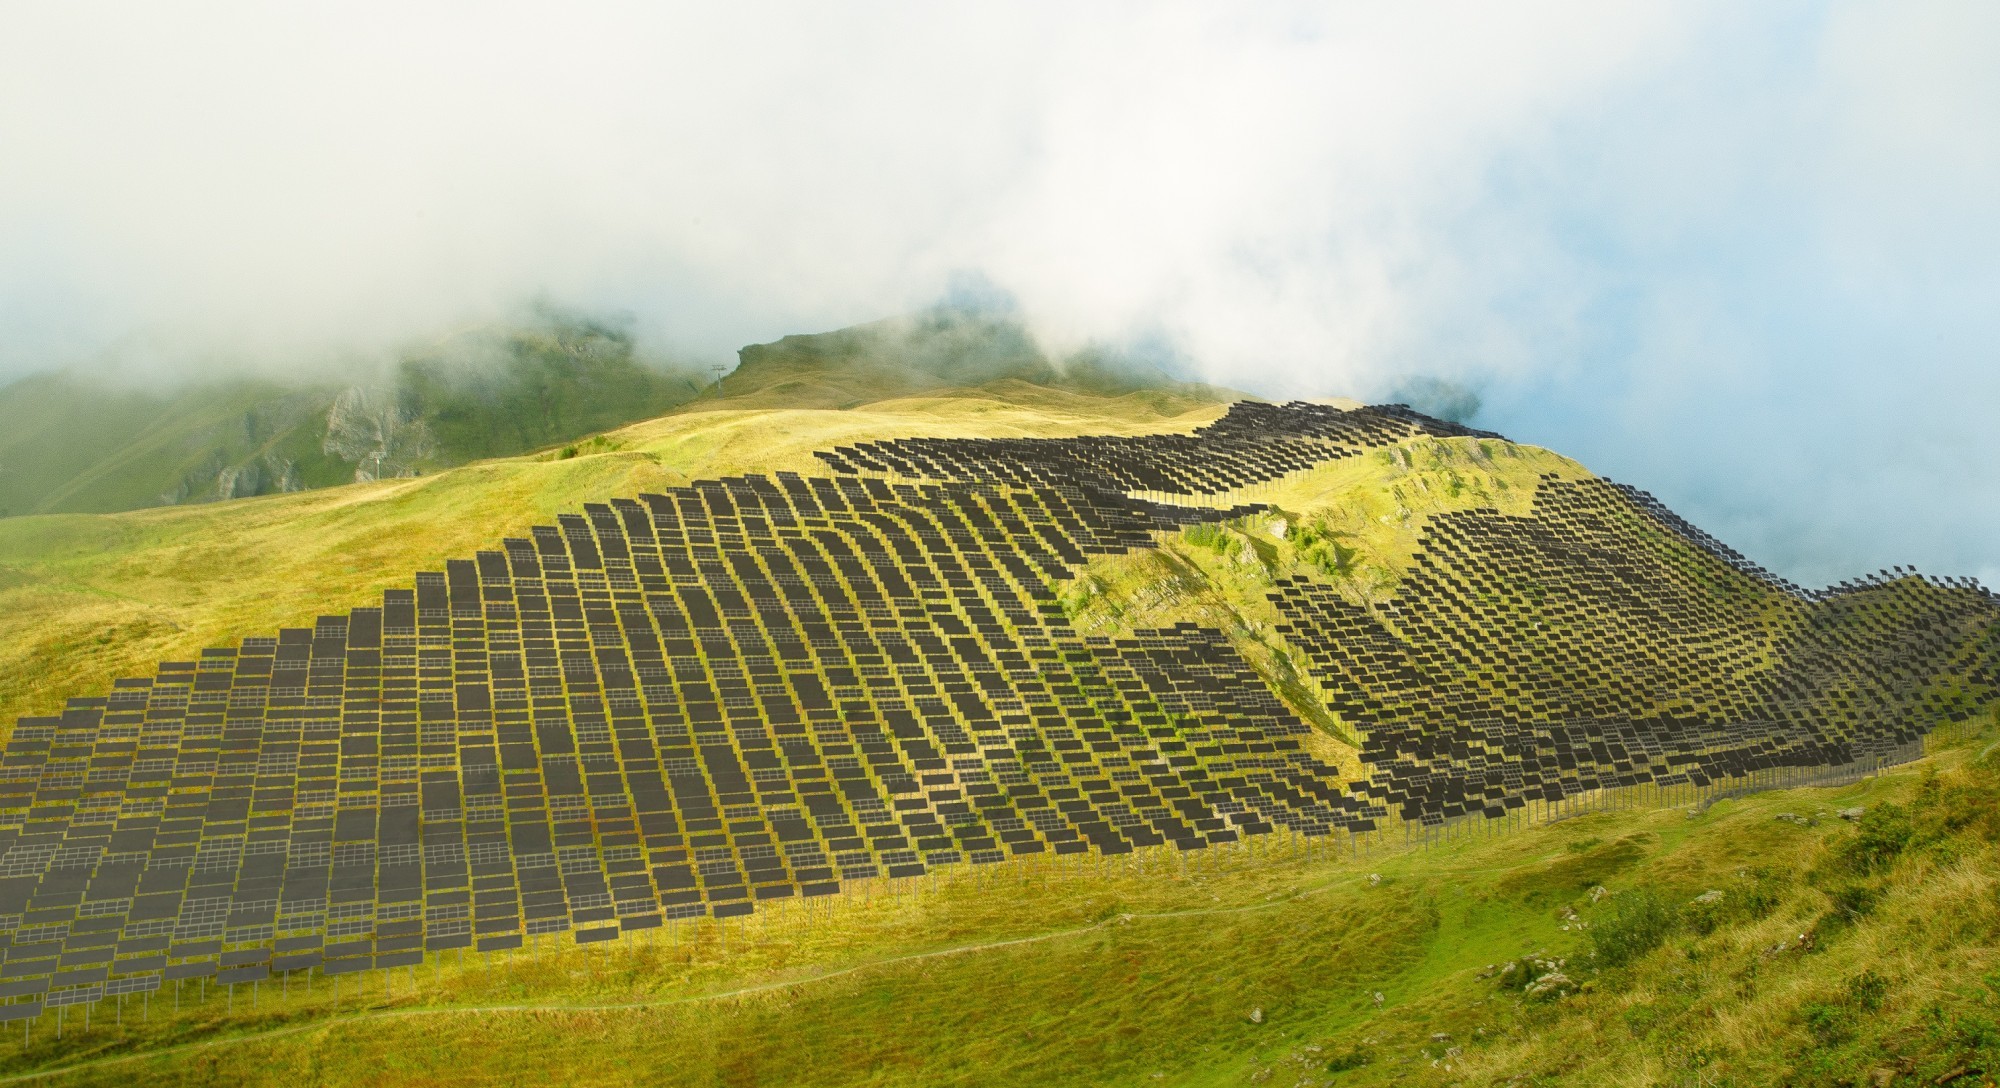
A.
pixel 943 348
pixel 69 444
pixel 73 443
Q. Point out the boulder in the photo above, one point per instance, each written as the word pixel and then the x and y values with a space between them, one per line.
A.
pixel 1552 985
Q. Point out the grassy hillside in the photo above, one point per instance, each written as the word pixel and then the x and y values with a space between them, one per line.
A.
pixel 74 443
pixel 87 598
pixel 1574 943
pixel 1355 523
pixel 71 442
pixel 1587 950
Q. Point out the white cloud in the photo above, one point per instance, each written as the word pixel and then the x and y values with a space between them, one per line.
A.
pixel 1726 251
pixel 1270 182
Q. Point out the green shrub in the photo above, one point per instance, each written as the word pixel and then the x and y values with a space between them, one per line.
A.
pixel 1830 1024
pixel 1705 918
pixel 1880 837
pixel 1755 902
pixel 1854 902
pixel 1640 1020
pixel 1848 905
pixel 1867 990
pixel 1937 820
pixel 1320 546
pixel 1639 922
pixel 1209 535
pixel 1351 1058
pixel 1834 1022
pixel 1746 901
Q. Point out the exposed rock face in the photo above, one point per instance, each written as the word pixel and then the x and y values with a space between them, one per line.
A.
pixel 213 480
pixel 242 456
pixel 380 435
pixel 193 481
pixel 267 475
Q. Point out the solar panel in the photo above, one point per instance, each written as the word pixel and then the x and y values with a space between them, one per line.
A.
pixel 671 666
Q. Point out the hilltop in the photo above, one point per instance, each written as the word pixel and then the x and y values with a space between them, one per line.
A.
pixel 986 716
pixel 941 350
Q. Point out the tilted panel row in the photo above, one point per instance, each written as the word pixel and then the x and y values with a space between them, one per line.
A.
pixel 1252 443
pixel 1584 647
pixel 760 688
pixel 675 706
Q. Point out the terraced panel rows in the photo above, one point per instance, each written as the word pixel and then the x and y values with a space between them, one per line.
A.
pixel 738 691
pixel 1588 646
pixel 1250 444
pixel 759 688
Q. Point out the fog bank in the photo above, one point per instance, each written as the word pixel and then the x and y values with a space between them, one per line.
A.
pixel 1742 257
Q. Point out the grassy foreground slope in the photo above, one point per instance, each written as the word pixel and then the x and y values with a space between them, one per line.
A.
pixel 1830 952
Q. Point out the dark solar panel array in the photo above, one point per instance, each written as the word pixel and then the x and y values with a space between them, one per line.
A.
pixel 1735 560
pixel 759 688
pixel 1250 444
pixel 1531 658
pixel 1721 552
pixel 681 706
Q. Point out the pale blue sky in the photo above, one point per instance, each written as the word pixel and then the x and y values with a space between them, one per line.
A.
pixel 1740 255
pixel 1792 334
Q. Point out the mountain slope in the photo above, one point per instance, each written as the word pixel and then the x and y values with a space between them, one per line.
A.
pixel 1827 959
pixel 951 635
pixel 85 599
pixel 73 443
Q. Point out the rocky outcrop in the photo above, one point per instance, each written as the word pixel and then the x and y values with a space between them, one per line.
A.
pixel 269 474
pixel 377 433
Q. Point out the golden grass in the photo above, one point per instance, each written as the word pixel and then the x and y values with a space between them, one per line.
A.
pixel 87 598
